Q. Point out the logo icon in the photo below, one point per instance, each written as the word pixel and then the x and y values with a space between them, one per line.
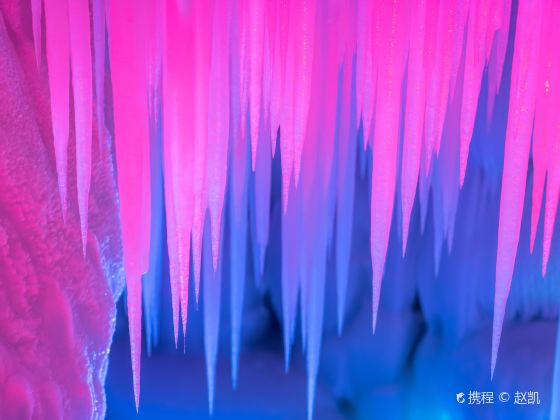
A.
pixel 504 397
pixel 461 397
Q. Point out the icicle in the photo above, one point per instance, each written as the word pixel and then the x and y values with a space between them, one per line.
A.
pixel 218 121
pixel 262 196
pixel 151 285
pixel 128 63
pixel 212 291
pixel 290 279
pixel 238 175
pixel 313 213
pixel 98 11
pixel 58 59
pixel 231 78
pixel 303 266
pixel 172 246
pixel 312 205
pixel 518 140
pixel 315 322
pixel 37 16
pixel 177 108
pixel 347 146
pixel 238 251
pixel 385 141
pixel 256 57
pixel 414 116
pixel 80 53
pixel 202 41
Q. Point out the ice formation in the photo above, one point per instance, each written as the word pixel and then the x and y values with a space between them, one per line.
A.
pixel 220 85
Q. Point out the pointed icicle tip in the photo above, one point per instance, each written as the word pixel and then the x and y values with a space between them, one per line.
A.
pixel 311 387
pixel 82 82
pixel 499 312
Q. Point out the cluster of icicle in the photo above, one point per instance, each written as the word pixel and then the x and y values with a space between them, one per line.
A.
pixel 228 79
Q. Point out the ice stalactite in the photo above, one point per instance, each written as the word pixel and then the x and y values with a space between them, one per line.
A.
pixel 262 198
pixel 218 120
pixel 344 148
pixel 239 167
pixel 58 59
pixel 386 137
pixel 316 271
pixel 152 280
pixel 212 285
pixel 346 155
pixel 518 140
pixel 220 83
pixel 200 54
pixel 152 177
pixel 238 266
pixel 314 193
pixel 130 107
pixel 414 122
pixel 82 86
pixel 177 106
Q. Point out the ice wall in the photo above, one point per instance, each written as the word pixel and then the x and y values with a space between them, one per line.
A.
pixel 57 306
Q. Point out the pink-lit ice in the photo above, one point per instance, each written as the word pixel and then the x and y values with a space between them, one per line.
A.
pixel 226 82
